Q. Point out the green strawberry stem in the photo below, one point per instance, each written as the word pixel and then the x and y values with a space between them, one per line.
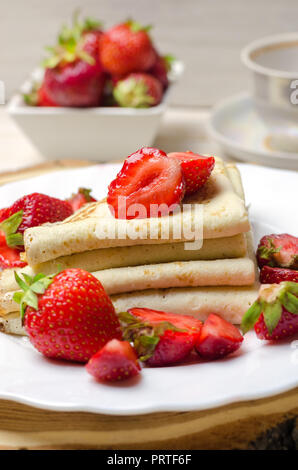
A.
pixel 30 286
pixel 10 226
pixel 144 336
pixel 270 302
pixel 132 93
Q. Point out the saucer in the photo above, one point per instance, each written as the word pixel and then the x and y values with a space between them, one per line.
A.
pixel 236 127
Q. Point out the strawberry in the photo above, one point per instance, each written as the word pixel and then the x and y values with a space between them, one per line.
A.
pixel 32 210
pixel 196 169
pixel 9 257
pixel 270 275
pixel 83 196
pixel 160 69
pixel 218 338
pixel 148 185
pixel 160 338
pixel 274 315
pixel 278 250
pixel 116 361
pixel 68 316
pixel 38 96
pixel 138 90
pixel 74 75
pixel 126 48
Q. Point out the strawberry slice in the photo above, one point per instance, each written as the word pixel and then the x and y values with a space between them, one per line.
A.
pixel 218 338
pixel 9 257
pixel 160 338
pixel 148 185
pixel 79 199
pixel 196 169
pixel 274 315
pixel 270 275
pixel 278 250
pixel 116 361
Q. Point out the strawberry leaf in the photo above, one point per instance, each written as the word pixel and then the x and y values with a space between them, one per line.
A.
pixel 290 302
pixel 272 313
pixel 251 316
pixel 9 226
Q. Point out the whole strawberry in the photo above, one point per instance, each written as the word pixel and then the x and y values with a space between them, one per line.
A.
pixel 126 48
pixel 161 68
pixel 38 97
pixel 79 199
pixel 74 75
pixel 30 211
pixel 138 90
pixel 278 250
pixel 148 185
pixel 69 316
pixel 196 169
pixel 160 338
pixel 274 315
pixel 116 361
pixel 270 275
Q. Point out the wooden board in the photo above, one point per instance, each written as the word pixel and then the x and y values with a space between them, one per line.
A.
pixel 265 423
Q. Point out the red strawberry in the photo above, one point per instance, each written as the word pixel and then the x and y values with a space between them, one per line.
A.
pixel 160 338
pixel 9 257
pixel 218 338
pixel 147 179
pixel 196 169
pixel 270 275
pixel 74 75
pixel 138 90
pixel 274 315
pixel 30 211
pixel 126 48
pixel 79 199
pixel 71 318
pixel 161 68
pixel 4 213
pixel 38 96
pixel 116 361
pixel 278 250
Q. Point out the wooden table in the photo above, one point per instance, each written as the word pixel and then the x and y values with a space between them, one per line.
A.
pixel 266 423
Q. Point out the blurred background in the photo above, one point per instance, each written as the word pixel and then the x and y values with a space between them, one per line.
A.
pixel 206 35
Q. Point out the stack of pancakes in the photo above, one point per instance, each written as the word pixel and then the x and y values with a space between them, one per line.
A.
pixel 159 273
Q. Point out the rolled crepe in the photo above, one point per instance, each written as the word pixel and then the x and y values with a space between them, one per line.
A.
pixel 229 302
pixel 94 227
pixel 106 258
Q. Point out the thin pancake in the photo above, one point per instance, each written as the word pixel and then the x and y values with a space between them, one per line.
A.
pixel 224 216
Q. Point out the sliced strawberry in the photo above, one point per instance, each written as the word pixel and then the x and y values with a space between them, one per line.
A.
pixel 9 257
pixel 218 338
pixel 270 275
pixel 160 338
pixel 274 315
pixel 196 169
pixel 278 250
pixel 116 361
pixel 148 185
pixel 79 199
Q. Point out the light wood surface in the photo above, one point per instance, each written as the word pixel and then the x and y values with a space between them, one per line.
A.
pixel 243 425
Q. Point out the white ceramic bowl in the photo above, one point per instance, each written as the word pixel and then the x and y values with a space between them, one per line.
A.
pixel 274 64
pixel 100 134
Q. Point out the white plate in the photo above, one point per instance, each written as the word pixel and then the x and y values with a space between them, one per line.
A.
pixel 258 370
pixel 235 125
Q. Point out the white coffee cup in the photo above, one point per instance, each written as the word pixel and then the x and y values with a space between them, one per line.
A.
pixel 274 63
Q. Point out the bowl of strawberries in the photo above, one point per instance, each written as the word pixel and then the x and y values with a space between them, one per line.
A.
pixel 99 94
